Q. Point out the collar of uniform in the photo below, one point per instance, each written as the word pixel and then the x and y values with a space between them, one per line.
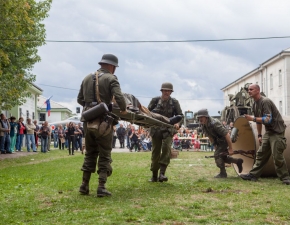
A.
pixel 165 100
pixel 104 70
pixel 209 120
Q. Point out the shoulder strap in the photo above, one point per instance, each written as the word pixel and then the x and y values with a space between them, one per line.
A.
pixel 97 88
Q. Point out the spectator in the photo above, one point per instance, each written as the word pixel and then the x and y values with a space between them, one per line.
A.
pixel 134 137
pixel 13 133
pixel 55 137
pixel 127 136
pixel 30 127
pixel 66 137
pixel 78 138
pixel 121 135
pixel 61 137
pixel 70 133
pixel 148 141
pixel 20 134
pixel 44 134
pixel 36 131
pixel 114 137
pixel 4 135
pixel 49 138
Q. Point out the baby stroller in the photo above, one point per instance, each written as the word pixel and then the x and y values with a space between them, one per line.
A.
pixel 177 145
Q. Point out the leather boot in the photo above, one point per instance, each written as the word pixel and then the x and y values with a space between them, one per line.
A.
pixel 84 188
pixel 222 174
pixel 238 162
pixel 102 191
pixel 162 176
pixel 154 176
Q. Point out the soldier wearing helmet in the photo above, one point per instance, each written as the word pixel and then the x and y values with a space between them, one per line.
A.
pixel 162 137
pixel 98 145
pixel 220 138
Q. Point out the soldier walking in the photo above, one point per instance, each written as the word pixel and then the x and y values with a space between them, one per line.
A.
pixel 220 138
pixel 99 144
pixel 273 142
pixel 161 136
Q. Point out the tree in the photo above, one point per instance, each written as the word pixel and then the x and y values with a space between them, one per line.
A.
pixel 21 33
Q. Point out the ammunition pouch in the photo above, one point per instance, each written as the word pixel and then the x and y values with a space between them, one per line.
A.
pixel 95 112
pixel 102 124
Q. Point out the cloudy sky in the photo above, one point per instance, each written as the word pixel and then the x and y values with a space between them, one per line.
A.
pixel 198 70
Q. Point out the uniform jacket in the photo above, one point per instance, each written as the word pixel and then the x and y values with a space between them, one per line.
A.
pixel 108 87
pixel 215 130
pixel 167 108
pixel 2 128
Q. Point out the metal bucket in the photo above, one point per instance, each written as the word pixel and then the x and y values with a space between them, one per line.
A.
pixel 248 140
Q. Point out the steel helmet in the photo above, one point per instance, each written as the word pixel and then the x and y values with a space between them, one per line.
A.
pixel 202 112
pixel 166 86
pixel 109 59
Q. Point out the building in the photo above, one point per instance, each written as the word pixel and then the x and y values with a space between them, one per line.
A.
pixel 273 77
pixel 29 108
pixel 57 111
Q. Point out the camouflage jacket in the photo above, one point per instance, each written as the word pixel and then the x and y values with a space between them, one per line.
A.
pixel 215 130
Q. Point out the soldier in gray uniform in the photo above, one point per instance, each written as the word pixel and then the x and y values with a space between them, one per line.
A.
pixel 273 142
pixel 98 145
pixel 220 138
pixel 161 136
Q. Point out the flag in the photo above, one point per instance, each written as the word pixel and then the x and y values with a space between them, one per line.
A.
pixel 47 102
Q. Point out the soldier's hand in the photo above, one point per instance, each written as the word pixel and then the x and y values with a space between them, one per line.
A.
pixel 176 126
pixel 231 152
pixel 260 140
pixel 123 112
pixel 249 117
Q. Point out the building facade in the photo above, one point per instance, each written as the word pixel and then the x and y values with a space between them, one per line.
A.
pixel 273 77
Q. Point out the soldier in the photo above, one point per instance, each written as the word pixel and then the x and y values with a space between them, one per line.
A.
pixel 220 138
pixel 98 144
pixel 273 142
pixel 161 136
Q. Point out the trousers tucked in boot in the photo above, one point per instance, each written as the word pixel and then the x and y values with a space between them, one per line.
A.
pixel 162 176
pixel 222 174
pixel 154 176
pixel 84 188
pixel 102 191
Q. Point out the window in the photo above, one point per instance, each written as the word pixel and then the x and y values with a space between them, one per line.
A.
pixel 280 77
pixel 271 81
pixel 27 114
pixel 42 117
pixel 280 107
pixel 33 116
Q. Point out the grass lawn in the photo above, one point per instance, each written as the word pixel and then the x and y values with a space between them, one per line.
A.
pixel 43 189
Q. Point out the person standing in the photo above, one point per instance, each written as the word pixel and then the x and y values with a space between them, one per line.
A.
pixel 13 133
pixel 55 137
pixel 220 138
pixel 99 145
pixel 30 127
pixel 128 128
pixel 114 137
pixel 61 139
pixel 70 133
pixel 4 135
pixel 20 134
pixel 162 137
pixel 273 142
pixel 121 132
pixel 44 134
pixel 36 131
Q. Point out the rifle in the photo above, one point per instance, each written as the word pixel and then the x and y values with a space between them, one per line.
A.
pixel 241 152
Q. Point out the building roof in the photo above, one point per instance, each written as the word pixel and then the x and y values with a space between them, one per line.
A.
pixel 286 51
pixel 53 104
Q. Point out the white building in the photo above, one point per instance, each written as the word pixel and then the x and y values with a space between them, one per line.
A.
pixel 273 77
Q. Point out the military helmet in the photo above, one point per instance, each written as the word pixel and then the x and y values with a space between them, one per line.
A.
pixel 166 86
pixel 202 112
pixel 109 59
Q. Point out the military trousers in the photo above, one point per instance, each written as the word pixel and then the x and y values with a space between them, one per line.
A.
pixel 220 159
pixel 272 144
pixel 98 151
pixel 161 152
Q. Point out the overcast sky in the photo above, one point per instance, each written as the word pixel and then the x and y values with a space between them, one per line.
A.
pixel 197 70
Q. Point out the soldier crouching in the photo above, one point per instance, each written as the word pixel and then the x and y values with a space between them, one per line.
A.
pixel 220 138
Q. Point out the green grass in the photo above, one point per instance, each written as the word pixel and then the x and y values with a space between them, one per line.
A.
pixel 43 189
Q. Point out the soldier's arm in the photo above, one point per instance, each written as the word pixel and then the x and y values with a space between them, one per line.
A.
pixel 80 98
pixel 228 139
pixel 116 91
pixel 178 111
pixel 152 104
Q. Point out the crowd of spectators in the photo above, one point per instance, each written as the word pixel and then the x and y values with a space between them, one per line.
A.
pixel 13 132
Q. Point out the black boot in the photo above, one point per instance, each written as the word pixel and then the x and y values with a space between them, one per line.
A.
pixel 102 191
pixel 240 164
pixel 222 174
pixel 154 176
pixel 162 176
pixel 84 188
pixel 175 119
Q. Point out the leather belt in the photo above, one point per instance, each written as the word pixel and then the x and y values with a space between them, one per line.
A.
pixel 90 104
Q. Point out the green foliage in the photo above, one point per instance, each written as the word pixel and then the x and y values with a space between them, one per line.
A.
pixel 21 33
pixel 43 189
